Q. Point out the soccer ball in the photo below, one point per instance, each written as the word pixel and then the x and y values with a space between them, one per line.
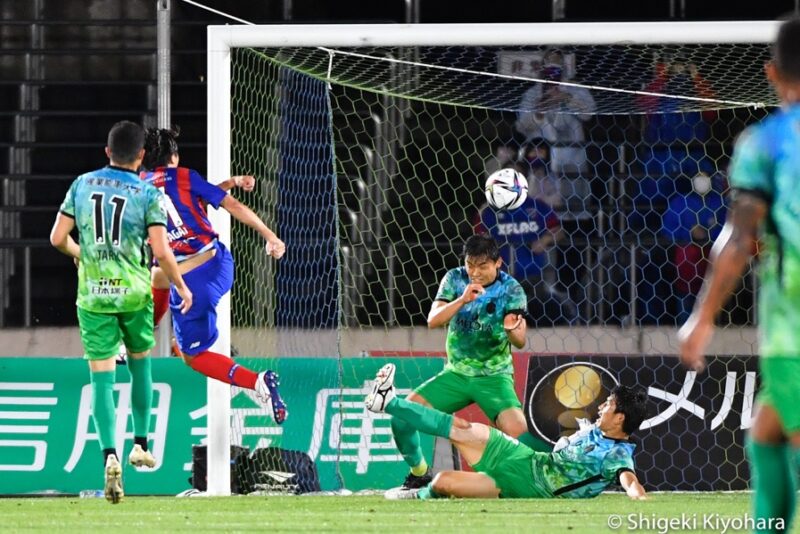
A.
pixel 506 189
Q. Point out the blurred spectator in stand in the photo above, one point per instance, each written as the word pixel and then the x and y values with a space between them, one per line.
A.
pixel 526 235
pixel 556 113
pixel 672 136
pixel 542 185
pixel 503 156
pixel 693 221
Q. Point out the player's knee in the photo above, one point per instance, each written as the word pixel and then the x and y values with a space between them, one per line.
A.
pixel 515 428
pixel 794 440
pixel 442 483
pixel 766 427
pixel 512 422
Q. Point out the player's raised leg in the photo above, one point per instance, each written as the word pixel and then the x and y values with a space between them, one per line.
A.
pixel 470 439
pixel 446 392
pixel 196 332
pixel 383 398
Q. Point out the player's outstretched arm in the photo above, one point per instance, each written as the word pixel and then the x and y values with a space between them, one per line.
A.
pixel 275 247
pixel 60 238
pixel 244 181
pixel 729 256
pixel 515 327
pixel 166 260
pixel 441 311
pixel 631 485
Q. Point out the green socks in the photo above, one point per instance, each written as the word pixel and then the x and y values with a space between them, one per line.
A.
pixel 774 482
pixel 535 443
pixel 406 438
pixel 141 394
pixel 103 408
pixel 428 493
pixel 420 417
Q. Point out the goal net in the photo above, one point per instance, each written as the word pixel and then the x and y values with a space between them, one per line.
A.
pixel 370 145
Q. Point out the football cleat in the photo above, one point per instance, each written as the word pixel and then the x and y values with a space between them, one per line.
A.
pixel 413 482
pixel 113 488
pixel 141 458
pixel 267 390
pixel 122 355
pixel 382 389
pixel 399 494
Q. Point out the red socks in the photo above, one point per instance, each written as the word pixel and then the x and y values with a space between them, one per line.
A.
pixel 160 304
pixel 224 369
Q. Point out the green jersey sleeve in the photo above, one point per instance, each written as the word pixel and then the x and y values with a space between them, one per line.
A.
pixel 751 166
pixel 156 213
pixel 517 299
pixel 617 460
pixel 68 206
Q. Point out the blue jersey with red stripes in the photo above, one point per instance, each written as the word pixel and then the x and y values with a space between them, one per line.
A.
pixel 187 193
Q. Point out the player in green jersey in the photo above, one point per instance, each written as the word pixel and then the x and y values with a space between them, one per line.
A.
pixel 764 177
pixel 483 309
pixel 115 213
pixel 580 466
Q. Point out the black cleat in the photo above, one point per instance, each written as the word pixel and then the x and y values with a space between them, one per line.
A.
pixel 416 482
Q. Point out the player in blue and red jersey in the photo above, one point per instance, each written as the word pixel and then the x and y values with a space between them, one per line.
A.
pixel 205 263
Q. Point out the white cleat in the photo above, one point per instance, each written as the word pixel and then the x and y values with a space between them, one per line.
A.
pixel 400 494
pixel 122 355
pixel 113 474
pixel 382 389
pixel 141 458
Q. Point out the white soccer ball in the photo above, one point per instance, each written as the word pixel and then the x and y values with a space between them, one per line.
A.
pixel 506 189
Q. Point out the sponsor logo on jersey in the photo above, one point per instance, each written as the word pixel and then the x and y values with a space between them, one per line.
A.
pixel 518 228
pixel 177 233
pixel 108 286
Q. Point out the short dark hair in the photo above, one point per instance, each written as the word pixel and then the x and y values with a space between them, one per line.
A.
pixel 480 245
pixel 125 140
pixel 786 52
pixel 631 402
pixel 159 146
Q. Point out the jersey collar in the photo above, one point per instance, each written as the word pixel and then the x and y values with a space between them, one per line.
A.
pixel 114 167
pixel 496 278
pixel 615 440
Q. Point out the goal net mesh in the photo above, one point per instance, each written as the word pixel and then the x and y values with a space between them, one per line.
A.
pixel 370 165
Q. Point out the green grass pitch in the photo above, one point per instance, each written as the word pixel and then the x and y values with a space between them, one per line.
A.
pixel 373 513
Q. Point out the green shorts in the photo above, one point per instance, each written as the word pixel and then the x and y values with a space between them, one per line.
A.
pixel 510 464
pixel 450 391
pixel 101 333
pixel 780 388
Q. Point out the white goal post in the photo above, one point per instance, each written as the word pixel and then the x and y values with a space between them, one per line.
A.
pixel 221 39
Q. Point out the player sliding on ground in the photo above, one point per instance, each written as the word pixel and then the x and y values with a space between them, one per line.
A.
pixel 580 466
pixel 483 309
pixel 206 265
pixel 115 213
